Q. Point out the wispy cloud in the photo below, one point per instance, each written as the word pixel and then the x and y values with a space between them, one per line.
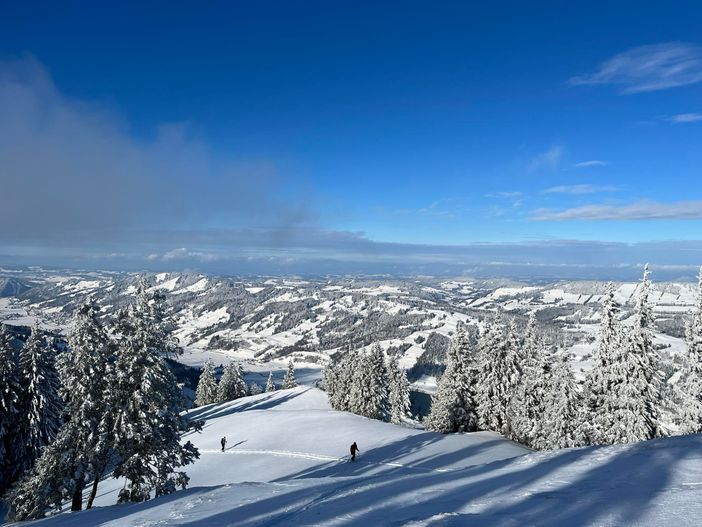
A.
pixel 549 159
pixel 590 163
pixel 437 208
pixel 649 68
pixel 507 195
pixel 580 189
pixel 642 210
pixel 685 118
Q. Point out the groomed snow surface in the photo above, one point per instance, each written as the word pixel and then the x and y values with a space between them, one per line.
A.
pixel 287 464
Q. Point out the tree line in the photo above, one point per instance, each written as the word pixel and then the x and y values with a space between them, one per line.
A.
pixel 108 404
pixel 368 385
pixel 520 387
pixel 232 386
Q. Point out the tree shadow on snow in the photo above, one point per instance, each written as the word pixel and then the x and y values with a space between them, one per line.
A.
pixel 265 402
pixel 539 489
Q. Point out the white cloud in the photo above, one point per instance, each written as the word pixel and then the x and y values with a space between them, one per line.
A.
pixel 685 118
pixel 649 68
pixel 642 210
pixel 549 159
pixel 579 189
pixel 590 163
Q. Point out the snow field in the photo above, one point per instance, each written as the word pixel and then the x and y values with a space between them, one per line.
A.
pixel 287 464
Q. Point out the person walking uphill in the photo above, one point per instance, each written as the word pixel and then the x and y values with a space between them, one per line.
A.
pixel 354 449
pixel 224 442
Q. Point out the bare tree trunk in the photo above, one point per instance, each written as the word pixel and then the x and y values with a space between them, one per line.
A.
pixel 96 482
pixel 77 500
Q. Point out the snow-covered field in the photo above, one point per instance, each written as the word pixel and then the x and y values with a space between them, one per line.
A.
pixel 286 464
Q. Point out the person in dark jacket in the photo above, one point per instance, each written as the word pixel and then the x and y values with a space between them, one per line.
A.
pixel 224 442
pixel 354 449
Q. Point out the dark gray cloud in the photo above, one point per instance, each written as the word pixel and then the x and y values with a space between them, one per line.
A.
pixel 71 169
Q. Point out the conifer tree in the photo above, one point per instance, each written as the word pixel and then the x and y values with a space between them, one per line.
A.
pixel 527 405
pixel 87 375
pixel 289 380
pixel 344 375
pixel 44 486
pixel 600 390
pixel 10 398
pixel 206 391
pixel 270 385
pixel 500 373
pixel 369 396
pixel 147 418
pixel 399 400
pixel 636 418
pixel 231 385
pixel 453 406
pixel 691 412
pixel 255 389
pixel 561 407
pixel 330 378
pixel 41 404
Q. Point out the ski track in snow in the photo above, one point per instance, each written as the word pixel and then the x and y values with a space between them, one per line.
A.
pixel 304 455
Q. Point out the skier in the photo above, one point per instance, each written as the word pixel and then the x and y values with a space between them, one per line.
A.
pixel 224 442
pixel 354 449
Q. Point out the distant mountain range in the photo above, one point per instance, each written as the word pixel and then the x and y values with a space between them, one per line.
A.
pixel 263 319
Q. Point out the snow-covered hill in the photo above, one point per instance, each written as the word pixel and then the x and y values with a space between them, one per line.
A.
pixel 259 320
pixel 286 464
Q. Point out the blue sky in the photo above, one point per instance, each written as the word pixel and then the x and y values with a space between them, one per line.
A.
pixel 308 132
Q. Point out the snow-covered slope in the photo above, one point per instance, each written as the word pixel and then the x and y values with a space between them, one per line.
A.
pixel 286 464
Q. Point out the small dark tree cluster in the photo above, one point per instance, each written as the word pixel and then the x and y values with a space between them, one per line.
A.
pixel 230 387
pixel 367 385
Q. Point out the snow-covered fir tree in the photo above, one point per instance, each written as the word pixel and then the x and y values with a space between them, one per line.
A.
pixel 636 417
pixel 231 385
pixel 86 377
pixel 691 404
pixel 453 406
pixel 340 379
pixel 10 397
pixel 81 452
pixel 44 486
pixel 500 373
pixel 148 423
pixel 255 389
pixel 330 379
pixel 270 384
pixel 600 397
pixel 560 408
pixel 526 411
pixel 41 405
pixel 289 380
pixel 369 392
pixel 207 390
pixel 399 399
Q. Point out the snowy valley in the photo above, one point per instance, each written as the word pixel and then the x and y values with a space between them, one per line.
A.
pixel 267 320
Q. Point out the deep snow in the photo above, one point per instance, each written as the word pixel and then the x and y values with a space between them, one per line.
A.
pixel 286 464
